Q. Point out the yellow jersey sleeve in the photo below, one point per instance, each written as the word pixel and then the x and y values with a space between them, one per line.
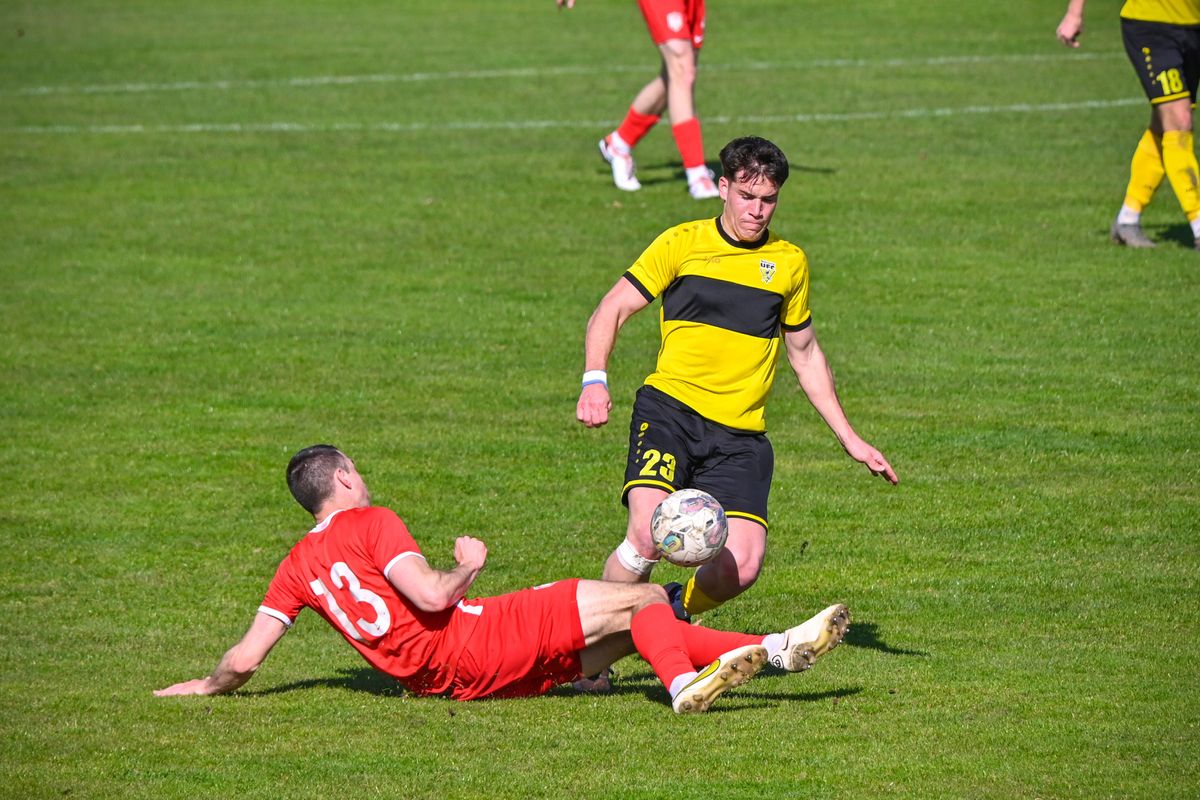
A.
pixel 796 313
pixel 659 264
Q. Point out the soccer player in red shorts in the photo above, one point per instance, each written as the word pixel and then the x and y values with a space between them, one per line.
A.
pixel 361 570
pixel 677 28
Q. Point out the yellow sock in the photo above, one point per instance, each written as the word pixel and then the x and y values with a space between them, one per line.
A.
pixel 1145 171
pixel 1182 170
pixel 696 601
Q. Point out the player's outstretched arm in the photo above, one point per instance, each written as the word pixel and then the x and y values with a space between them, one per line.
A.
pixel 239 664
pixel 434 589
pixel 622 302
pixel 1071 27
pixel 816 379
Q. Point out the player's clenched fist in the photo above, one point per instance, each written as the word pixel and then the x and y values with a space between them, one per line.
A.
pixel 594 405
pixel 470 551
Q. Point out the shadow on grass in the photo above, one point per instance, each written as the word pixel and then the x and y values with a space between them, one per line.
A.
pixel 866 634
pixel 362 679
pixel 645 684
pixel 1179 234
pixel 672 171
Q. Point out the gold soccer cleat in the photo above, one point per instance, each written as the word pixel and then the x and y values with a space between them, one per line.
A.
pixel 808 641
pixel 731 669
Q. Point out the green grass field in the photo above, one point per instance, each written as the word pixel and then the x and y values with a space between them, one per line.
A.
pixel 231 230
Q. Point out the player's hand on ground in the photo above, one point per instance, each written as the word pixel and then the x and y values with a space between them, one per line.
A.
pixel 594 405
pixel 567 3
pixel 864 453
pixel 470 551
pixel 198 686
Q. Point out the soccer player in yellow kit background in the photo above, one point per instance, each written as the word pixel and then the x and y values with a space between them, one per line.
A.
pixel 1162 38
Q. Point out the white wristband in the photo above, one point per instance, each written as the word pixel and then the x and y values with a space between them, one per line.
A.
pixel 595 376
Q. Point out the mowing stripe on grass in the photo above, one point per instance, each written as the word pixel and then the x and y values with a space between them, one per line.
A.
pixel 534 124
pixel 546 72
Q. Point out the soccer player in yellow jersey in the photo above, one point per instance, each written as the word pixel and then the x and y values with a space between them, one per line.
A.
pixel 732 294
pixel 1162 38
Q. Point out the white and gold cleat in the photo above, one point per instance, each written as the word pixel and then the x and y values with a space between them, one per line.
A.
pixel 808 641
pixel 731 669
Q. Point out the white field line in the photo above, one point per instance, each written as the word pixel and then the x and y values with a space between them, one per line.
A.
pixel 544 72
pixel 532 124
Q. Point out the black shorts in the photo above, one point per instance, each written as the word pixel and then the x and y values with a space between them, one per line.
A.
pixel 672 447
pixel 1165 57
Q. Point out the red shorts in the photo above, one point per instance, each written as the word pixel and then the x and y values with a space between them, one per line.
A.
pixel 524 644
pixel 674 19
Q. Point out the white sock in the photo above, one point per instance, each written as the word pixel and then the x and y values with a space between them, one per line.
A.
pixel 1127 216
pixel 774 643
pixel 619 145
pixel 1196 227
pixel 696 173
pixel 680 682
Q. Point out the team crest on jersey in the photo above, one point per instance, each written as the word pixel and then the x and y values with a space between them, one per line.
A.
pixel 768 270
pixel 675 21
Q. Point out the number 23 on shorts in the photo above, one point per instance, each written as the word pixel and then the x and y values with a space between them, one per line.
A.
pixel 658 464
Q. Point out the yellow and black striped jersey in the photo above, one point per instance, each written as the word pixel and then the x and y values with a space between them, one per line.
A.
pixel 724 304
pixel 1172 12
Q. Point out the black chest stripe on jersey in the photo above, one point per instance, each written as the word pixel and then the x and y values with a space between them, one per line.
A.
pixel 732 306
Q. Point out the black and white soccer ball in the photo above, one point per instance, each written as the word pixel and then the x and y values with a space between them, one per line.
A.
pixel 689 528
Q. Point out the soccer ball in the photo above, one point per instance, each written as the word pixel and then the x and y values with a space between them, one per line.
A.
pixel 689 528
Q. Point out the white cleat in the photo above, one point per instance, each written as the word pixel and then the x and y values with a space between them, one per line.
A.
pixel 623 169
pixel 731 669
pixel 703 188
pixel 808 641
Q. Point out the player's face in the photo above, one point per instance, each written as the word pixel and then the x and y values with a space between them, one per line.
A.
pixel 749 205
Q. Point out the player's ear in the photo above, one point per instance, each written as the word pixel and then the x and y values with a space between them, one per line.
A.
pixel 723 186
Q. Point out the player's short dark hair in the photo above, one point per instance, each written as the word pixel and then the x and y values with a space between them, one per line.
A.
pixel 751 157
pixel 310 474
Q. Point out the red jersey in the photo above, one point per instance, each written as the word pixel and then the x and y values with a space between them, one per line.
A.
pixel 339 570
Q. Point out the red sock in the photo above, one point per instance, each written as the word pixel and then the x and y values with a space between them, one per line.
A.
pixel 659 639
pixel 636 126
pixel 705 645
pixel 690 142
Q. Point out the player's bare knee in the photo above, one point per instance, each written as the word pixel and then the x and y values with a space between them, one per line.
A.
pixel 682 77
pixel 746 579
pixel 748 572
pixel 1173 116
pixel 679 61
pixel 650 594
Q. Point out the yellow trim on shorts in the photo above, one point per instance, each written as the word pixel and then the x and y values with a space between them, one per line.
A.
pixel 666 487
pixel 746 515
pixel 1170 97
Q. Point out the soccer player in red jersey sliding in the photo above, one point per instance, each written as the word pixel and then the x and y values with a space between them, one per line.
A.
pixel 361 570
